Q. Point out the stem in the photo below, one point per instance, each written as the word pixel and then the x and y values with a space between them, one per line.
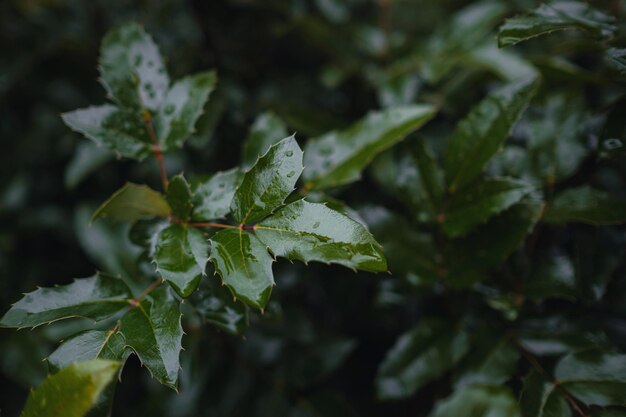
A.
pixel 148 290
pixel 216 225
pixel 156 148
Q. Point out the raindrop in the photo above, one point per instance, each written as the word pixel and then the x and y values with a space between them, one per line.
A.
pixel 169 109
pixel 613 143
pixel 316 225
pixel 289 153
pixel 291 174
pixel 138 59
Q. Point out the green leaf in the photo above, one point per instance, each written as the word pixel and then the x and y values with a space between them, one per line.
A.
pixel 87 158
pixel 492 360
pixel 90 344
pixel 212 197
pixel 119 130
pixel 552 17
pixel 503 63
pixel 215 305
pixel 181 256
pixel 479 136
pixel 153 331
pixel 96 298
pixel 73 391
pixel 553 278
pixel 266 130
pixel 131 68
pixel 133 202
pixel 313 232
pixel 617 59
pixel 540 398
pixel 268 183
pixel 179 197
pixel 338 157
pixel 477 203
pixel 586 205
pixel 478 401
pixel 418 356
pixel 181 108
pixel 244 265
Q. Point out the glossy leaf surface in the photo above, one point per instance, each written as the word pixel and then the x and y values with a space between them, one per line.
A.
pixel 88 345
pixel 133 202
pixel 586 205
pixel 478 401
pixel 212 197
pixel 179 197
pixel 215 305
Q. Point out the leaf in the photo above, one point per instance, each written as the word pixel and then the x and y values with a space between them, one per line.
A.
pixel 338 157
pixel 212 197
pixel 540 398
pixel 153 331
pixel 555 16
pixel 87 345
pixel 554 278
pixel 505 64
pixel 181 256
pixel 87 158
pixel 266 130
pixel 119 130
pixel 133 202
pixel 418 356
pixel 267 184
pixel 179 197
pixel 492 360
pixel 478 401
pixel 181 108
pixel 586 205
pixel 131 68
pixel 72 391
pixel 96 298
pixel 477 203
pixel 244 264
pixel 616 58
pixel 313 232
pixel 215 305
pixel 479 136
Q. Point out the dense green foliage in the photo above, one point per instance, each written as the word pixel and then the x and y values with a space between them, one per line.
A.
pixel 463 158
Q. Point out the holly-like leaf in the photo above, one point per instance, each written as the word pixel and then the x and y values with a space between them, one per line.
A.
pixel 478 401
pixel 120 130
pixel 313 232
pixel 131 68
pixel 153 331
pixel 182 107
pixel 266 130
pixel 96 298
pixel 491 361
pixel 215 305
pixel 181 256
pixel 268 183
pixel 179 197
pixel 90 344
pixel 212 197
pixel 540 398
pixel 133 202
pixel 338 157
pixel 586 205
pixel 551 17
pixel 418 356
pixel 617 59
pixel 244 264
pixel 479 136
pixel 73 391
pixel 480 201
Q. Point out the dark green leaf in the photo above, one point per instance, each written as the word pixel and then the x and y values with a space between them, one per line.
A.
pixel 617 59
pixel 87 158
pixel 478 202
pixel 212 197
pixel 96 298
pixel 505 64
pixel 131 68
pixel 586 205
pixel 313 232
pixel 318 361
pixel 266 131
pixel 491 361
pixel 244 264
pixel 479 136
pixel 215 305
pixel 478 401
pixel 72 391
pixel 268 183
pixel 418 356
pixel 181 256
pixel 554 278
pixel 552 17
pixel 133 202
pixel 179 197
pixel 153 331
pixel 90 344
pixel 181 108
pixel 338 157
pixel 540 398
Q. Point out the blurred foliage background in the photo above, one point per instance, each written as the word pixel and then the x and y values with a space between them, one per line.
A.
pixel 319 65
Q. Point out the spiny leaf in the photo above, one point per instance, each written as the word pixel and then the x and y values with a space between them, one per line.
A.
pixel 540 398
pixel 212 197
pixel 266 130
pixel 153 331
pixel 133 202
pixel 73 391
pixel 214 303
pixel 313 232
pixel 131 68
pixel 244 264
pixel 181 256
pixel 268 183
pixel 90 344
pixel 338 157
pixel 179 197
pixel 480 201
pixel 96 298
pixel 586 205
pixel 617 59
pixel 478 401
pixel 479 136
pixel 555 16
